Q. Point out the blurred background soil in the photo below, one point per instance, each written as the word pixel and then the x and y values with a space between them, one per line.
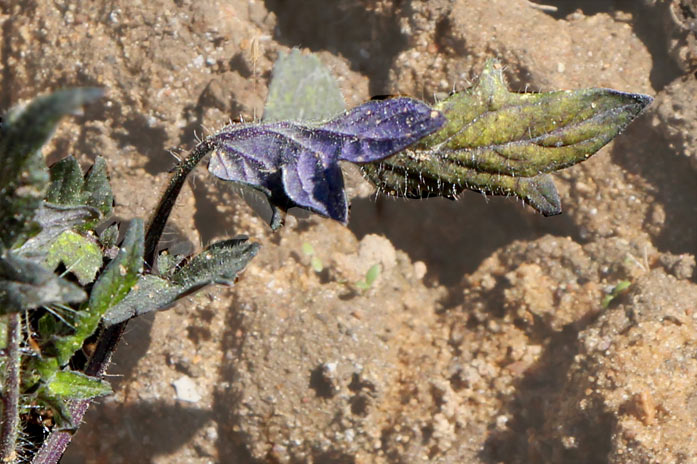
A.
pixel 489 336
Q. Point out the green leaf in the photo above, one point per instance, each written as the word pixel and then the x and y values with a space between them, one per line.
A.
pixel 26 284
pixel 302 89
pixel 109 236
pixel 76 386
pixel 98 189
pixel 61 412
pixel 67 183
pixel 308 249
pixel 495 137
pixel 618 290
pixel 119 276
pixel 24 177
pixel 219 263
pixel 69 187
pixel 54 220
pixel 151 293
pixel 370 277
pixel 167 263
pixel 81 256
pixel 372 274
pixel 316 264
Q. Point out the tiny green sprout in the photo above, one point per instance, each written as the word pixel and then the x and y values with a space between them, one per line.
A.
pixel 315 262
pixel 370 277
pixel 308 249
pixel 618 290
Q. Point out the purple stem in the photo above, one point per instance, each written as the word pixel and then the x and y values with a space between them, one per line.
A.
pixel 10 391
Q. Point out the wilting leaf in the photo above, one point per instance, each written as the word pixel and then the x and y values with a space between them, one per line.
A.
pixel 297 164
pixel 76 386
pixel 23 173
pixel 219 263
pixel 25 284
pixel 119 276
pixel 80 255
pixel 494 137
pixel 302 89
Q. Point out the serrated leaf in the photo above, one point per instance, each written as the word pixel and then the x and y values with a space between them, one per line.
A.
pixel 67 182
pixel 54 220
pixel 297 164
pixel 23 173
pixel 76 386
pixel 98 189
pixel 26 284
pixel 302 89
pixel 219 263
pixel 113 284
pixel 494 137
pixel 81 256
pixel 70 188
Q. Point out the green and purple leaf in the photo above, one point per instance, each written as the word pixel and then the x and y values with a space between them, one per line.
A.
pixel 505 143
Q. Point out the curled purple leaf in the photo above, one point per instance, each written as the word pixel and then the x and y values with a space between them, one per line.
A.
pixel 297 164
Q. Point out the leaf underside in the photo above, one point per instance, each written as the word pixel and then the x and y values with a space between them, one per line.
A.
pixel 26 284
pixel 500 142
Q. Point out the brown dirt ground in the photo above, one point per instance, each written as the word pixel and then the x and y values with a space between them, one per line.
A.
pixel 485 339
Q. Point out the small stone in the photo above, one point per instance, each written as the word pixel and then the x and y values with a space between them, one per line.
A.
pixel 186 389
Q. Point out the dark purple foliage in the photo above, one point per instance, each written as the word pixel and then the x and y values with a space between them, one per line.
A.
pixel 297 165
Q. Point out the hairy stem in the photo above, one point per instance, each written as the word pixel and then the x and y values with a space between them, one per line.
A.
pixel 159 218
pixel 10 391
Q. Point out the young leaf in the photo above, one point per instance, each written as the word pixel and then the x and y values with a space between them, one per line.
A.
pixel 370 277
pixel 76 386
pixel 120 275
pixel 219 263
pixel 66 183
pixel 25 284
pixel 69 187
pixel 494 137
pixel 81 256
pixel 297 165
pixel 302 89
pixel 23 173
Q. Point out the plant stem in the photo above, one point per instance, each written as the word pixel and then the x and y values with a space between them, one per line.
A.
pixel 54 446
pixel 10 391
pixel 159 218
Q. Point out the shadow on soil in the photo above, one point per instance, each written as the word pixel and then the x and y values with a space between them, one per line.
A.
pixel 370 41
pixel 453 237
